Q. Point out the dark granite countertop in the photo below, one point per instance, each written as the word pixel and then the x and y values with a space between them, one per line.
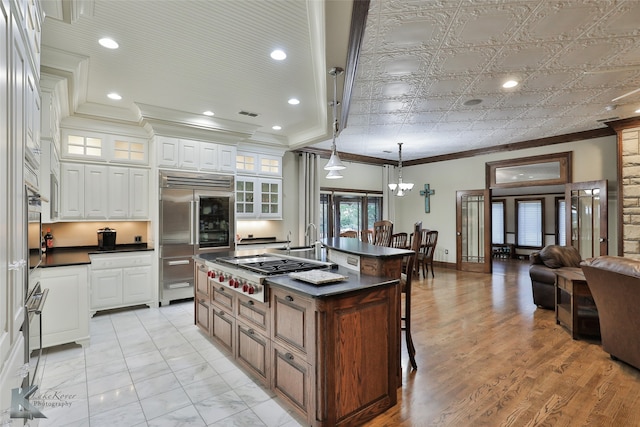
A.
pixel 355 282
pixel 357 247
pixel 68 256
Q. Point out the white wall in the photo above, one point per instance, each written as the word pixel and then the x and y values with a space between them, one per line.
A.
pixel 593 159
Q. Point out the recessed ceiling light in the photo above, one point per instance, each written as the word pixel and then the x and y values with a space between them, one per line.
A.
pixel 278 55
pixel 638 110
pixel 108 43
pixel 276 127
pixel 208 113
pixel 114 96
pixel 294 101
pixel 509 84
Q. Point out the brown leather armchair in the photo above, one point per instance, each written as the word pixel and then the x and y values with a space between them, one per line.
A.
pixel 614 283
pixel 543 275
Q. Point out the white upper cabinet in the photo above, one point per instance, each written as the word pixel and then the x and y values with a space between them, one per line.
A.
pixel 93 192
pixel 249 163
pixel 200 156
pixel 101 147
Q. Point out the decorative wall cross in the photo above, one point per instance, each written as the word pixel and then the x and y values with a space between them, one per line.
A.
pixel 427 193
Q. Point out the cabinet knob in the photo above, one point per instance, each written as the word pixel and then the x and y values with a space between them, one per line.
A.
pixel 289 356
pixel 289 298
pixel 221 313
pixel 221 288
pixel 251 302
pixel 250 332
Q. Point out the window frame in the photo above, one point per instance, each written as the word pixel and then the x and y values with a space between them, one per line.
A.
pixel 503 202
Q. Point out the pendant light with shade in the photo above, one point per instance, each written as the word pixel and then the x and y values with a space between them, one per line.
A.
pixel 401 188
pixel 334 164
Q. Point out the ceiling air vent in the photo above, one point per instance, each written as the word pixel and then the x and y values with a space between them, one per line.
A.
pixel 246 113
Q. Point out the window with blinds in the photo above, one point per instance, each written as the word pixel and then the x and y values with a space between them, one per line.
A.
pixel 530 225
pixel 561 224
pixel 497 222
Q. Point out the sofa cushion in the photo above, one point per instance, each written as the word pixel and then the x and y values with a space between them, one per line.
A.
pixel 554 256
pixel 626 266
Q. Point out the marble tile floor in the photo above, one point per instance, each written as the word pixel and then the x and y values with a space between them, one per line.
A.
pixel 150 367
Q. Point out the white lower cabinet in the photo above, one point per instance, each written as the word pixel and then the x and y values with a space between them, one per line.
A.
pixel 121 280
pixel 65 315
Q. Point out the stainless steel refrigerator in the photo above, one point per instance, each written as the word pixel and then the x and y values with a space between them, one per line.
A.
pixel 197 215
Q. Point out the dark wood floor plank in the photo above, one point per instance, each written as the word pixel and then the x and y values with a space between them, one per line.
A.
pixel 487 356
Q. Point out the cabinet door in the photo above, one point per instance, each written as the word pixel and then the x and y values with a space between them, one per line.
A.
pixel 138 193
pixel 118 192
pixel 136 285
pixel 66 311
pixel 208 156
pixel 253 351
pixel 246 200
pixel 270 198
pixel 202 281
pixel 72 191
pixel 106 289
pixel 188 154
pixel 202 314
pixel 95 191
pixel 293 321
pixel 291 378
pixel 227 158
pixel 222 326
pixel 167 151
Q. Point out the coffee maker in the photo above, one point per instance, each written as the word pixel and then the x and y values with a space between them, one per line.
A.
pixel 106 239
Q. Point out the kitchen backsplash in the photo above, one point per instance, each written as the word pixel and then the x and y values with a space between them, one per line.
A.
pixel 66 234
pixel 261 229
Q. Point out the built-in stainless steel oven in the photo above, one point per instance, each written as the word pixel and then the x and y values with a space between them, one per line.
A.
pixel 35 296
pixel 34 229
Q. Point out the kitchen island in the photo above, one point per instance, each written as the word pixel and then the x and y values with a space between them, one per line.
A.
pixel 330 351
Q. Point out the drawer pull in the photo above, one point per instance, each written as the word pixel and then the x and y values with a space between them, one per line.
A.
pixel 182 262
pixel 202 301
pixel 250 331
pixel 221 313
pixel 289 356
pixel 289 298
pixel 251 302
pixel 221 288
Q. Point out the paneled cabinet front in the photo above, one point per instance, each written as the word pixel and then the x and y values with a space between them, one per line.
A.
pixel 200 156
pixel 120 280
pixel 97 192
pixel 66 309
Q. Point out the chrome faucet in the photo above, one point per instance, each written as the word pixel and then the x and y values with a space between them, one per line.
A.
pixel 289 240
pixel 307 234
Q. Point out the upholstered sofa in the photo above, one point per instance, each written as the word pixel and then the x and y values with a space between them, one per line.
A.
pixel 614 283
pixel 543 275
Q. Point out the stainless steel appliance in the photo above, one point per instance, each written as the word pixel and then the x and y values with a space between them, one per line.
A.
pixel 106 239
pixel 197 215
pixel 35 296
pixel 246 274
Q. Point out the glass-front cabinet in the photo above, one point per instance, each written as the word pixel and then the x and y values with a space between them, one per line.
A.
pixel 258 198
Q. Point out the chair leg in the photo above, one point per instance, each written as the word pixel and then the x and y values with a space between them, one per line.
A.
pixel 410 348
pixel 432 275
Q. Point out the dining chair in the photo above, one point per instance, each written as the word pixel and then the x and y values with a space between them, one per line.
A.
pixel 399 240
pixel 382 232
pixel 416 244
pixel 350 233
pixel 427 249
pixel 366 236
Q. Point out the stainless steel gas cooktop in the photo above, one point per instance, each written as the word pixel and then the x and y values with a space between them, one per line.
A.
pixel 267 264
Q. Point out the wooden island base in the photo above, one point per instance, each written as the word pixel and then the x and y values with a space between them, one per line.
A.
pixel 330 352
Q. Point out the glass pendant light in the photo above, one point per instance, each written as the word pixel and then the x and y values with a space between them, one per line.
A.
pixel 334 164
pixel 401 187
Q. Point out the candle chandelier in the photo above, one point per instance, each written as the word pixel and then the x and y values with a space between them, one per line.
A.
pixel 334 165
pixel 401 188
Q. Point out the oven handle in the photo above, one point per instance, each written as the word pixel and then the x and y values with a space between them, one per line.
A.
pixel 43 298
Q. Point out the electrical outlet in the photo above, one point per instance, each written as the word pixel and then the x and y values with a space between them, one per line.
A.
pixel 446 251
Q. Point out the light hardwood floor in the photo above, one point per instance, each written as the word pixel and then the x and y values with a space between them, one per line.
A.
pixel 488 357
